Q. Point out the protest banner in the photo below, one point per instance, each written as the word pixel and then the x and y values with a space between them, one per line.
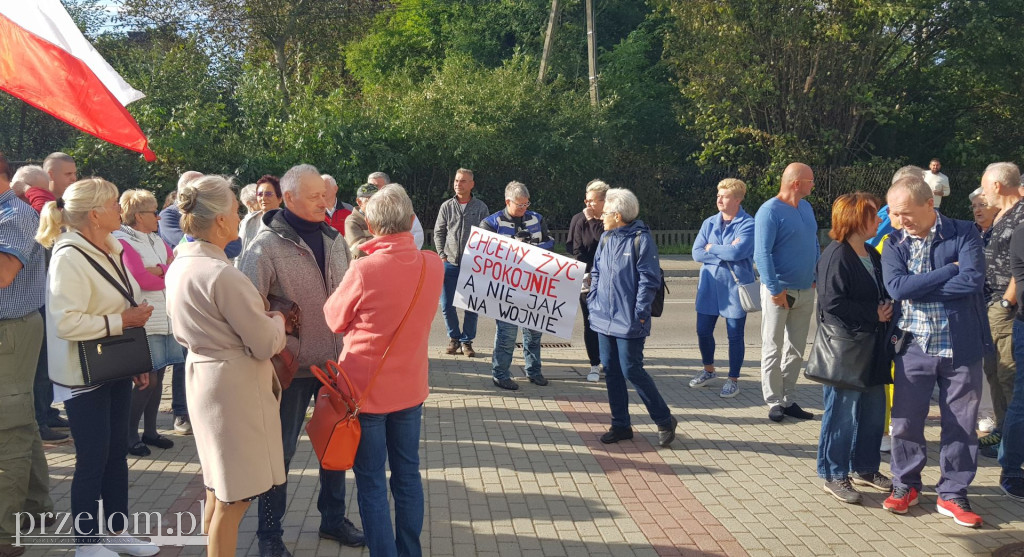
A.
pixel 519 283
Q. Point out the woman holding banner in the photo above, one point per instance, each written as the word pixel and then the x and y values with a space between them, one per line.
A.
pixel 621 292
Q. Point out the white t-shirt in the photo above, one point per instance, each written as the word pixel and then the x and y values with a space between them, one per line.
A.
pixel 937 182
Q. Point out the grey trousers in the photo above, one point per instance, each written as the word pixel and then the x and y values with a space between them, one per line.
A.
pixel 783 339
pixel 1000 369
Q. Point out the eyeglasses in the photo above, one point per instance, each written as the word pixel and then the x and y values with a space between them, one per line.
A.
pixel 521 205
pixel 268 193
pixel 609 213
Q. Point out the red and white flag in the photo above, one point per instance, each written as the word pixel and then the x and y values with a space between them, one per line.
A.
pixel 47 62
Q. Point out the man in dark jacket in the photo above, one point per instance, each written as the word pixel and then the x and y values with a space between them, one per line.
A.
pixel 935 269
pixel 455 219
pixel 516 222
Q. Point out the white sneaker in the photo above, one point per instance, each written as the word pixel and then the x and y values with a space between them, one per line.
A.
pixel 595 374
pixel 702 378
pixel 886 446
pixel 131 546
pixel 986 424
pixel 93 550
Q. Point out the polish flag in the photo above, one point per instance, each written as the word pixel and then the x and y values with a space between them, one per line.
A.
pixel 47 62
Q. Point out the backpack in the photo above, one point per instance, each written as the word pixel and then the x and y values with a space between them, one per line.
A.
pixel 658 305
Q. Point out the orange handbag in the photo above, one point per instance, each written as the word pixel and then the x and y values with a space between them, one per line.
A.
pixel 334 429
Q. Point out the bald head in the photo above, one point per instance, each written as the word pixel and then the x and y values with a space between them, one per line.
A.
pixel 797 181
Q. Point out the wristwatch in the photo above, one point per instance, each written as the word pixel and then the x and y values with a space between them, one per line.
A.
pixel 1004 303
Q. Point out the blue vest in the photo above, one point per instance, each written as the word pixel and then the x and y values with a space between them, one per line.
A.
pixel 506 227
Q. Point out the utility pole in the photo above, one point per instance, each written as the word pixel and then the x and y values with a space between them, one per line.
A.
pixel 549 38
pixel 592 53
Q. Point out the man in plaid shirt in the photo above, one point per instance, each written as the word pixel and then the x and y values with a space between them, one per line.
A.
pixel 935 268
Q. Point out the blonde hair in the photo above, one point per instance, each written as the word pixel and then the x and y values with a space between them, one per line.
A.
pixel 71 211
pixel 134 202
pixel 733 186
pixel 201 201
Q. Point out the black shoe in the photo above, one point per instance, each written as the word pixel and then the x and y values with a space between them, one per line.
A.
pixel 875 480
pixel 1012 487
pixel 58 422
pixel 51 436
pixel 347 535
pixel 506 384
pixel 159 442
pixel 617 434
pixel 843 491
pixel 273 548
pixel 539 380
pixel 794 411
pixel 989 451
pixel 667 433
pixel 139 449
pixel 776 414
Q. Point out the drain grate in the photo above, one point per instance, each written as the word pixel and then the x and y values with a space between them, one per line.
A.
pixel 549 345
pixel 1012 550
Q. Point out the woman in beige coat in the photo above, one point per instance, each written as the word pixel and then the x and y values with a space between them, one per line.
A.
pixel 232 391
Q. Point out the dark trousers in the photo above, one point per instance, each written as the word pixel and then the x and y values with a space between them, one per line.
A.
pixel 331 501
pixel 623 359
pixel 179 407
pixel 589 336
pixel 916 375
pixel 42 388
pixel 145 404
pixel 99 426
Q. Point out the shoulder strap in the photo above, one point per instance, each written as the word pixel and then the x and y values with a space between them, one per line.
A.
pixel 126 292
pixel 398 331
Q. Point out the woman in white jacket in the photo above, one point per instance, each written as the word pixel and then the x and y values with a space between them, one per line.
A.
pixel 147 256
pixel 82 305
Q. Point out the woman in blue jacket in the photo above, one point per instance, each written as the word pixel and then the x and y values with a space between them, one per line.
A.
pixel 725 246
pixel 624 279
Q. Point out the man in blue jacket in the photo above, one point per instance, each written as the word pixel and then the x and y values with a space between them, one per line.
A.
pixel 935 269
pixel 516 222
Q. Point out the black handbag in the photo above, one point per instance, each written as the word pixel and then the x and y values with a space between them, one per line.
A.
pixel 114 357
pixel 842 359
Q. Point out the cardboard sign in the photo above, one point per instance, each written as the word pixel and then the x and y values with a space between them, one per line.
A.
pixel 519 283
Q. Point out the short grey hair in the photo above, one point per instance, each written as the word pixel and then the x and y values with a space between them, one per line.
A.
pixel 1006 173
pixel 623 202
pixel 909 170
pixel 329 180
pixel 29 175
pixel 598 186
pixel 247 195
pixel 187 177
pixel 514 190
pixel 918 189
pixel 291 179
pixel 976 194
pixel 201 201
pixel 378 175
pixel 389 211
pixel 53 158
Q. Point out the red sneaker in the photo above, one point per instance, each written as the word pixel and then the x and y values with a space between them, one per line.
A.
pixel 901 499
pixel 960 510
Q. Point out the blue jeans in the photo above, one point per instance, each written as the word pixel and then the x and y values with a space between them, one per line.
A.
pixel 851 432
pixel 505 345
pixel 706 341
pixel 99 426
pixel 451 316
pixel 1011 449
pixel 179 406
pixel 331 501
pixel 623 358
pixel 394 438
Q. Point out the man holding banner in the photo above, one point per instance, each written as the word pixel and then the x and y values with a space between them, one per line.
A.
pixel 516 222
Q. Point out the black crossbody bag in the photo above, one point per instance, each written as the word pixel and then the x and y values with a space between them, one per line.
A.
pixel 114 357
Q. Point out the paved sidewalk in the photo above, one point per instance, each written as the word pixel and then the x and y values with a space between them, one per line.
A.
pixel 523 473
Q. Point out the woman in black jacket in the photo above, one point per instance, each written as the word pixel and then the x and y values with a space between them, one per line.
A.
pixel 585 231
pixel 852 296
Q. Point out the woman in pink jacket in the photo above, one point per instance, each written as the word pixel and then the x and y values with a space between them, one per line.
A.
pixel 396 282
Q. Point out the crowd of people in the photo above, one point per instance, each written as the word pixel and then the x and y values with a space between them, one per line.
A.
pixel 907 299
